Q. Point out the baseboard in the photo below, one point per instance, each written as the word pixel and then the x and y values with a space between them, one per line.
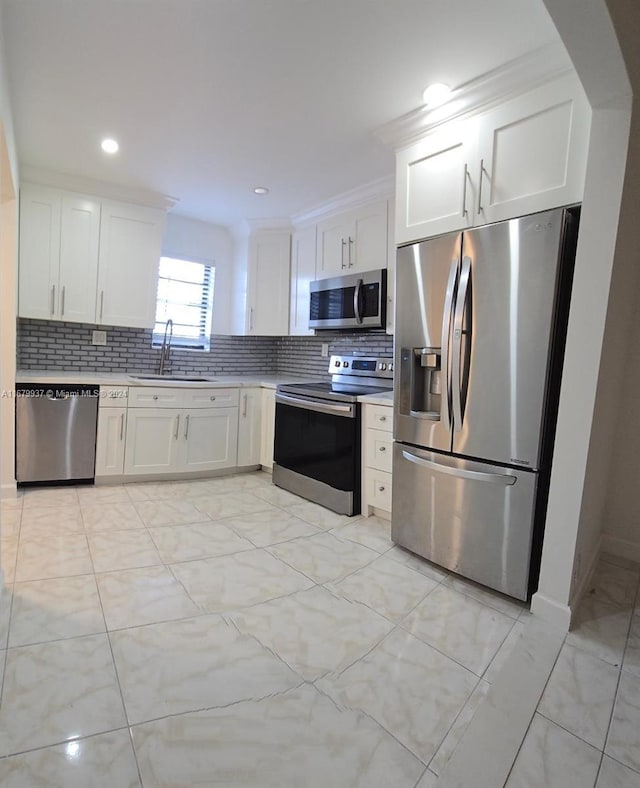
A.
pixel 578 592
pixel 174 477
pixel 549 610
pixel 9 490
pixel 620 547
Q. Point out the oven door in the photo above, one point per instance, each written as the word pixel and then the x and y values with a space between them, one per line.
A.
pixel 317 451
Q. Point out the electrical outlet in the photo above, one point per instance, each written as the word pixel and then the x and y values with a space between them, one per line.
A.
pixel 99 338
pixel 325 350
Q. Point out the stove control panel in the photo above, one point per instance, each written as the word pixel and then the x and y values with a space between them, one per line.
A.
pixel 361 366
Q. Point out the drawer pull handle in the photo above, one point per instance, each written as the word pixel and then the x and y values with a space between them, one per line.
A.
pixel 382 448
pixel 380 489
pixel 155 396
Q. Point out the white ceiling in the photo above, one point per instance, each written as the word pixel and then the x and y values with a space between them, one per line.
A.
pixel 209 98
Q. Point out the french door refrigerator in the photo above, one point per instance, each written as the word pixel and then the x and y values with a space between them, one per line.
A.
pixel 480 329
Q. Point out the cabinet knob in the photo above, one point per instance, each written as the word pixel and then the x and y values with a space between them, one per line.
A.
pixel 155 396
pixel 380 489
pixel 383 418
pixel 382 448
pixel 212 399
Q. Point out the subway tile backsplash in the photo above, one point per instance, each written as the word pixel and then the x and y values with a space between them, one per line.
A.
pixel 49 345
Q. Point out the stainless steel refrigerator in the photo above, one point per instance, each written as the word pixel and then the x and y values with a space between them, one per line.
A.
pixel 480 327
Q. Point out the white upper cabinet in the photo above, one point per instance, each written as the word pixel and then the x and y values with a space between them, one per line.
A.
pixel 85 260
pixel 526 155
pixel 435 192
pixel 303 272
pixel 268 272
pixel 79 239
pixel 38 288
pixel 533 153
pixel 130 247
pixel 353 241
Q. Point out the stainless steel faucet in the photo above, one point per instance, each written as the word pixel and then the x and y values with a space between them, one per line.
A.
pixel 166 347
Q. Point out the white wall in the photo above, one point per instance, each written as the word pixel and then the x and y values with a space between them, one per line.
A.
pixel 203 241
pixel 600 309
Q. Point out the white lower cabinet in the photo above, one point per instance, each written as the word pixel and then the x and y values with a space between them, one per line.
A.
pixel 268 427
pixel 110 441
pixel 377 453
pixel 164 439
pixel 209 439
pixel 250 427
pixel 153 436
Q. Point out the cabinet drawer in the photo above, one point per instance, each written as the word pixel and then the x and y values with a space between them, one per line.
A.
pixel 379 489
pixel 155 397
pixel 379 417
pixel 113 396
pixel 379 450
pixel 211 398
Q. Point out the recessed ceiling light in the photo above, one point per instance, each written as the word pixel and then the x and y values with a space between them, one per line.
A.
pixel 436 94
pixel 260 190
pixel 109 146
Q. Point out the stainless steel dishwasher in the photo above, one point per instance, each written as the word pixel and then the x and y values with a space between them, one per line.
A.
pixel 55 432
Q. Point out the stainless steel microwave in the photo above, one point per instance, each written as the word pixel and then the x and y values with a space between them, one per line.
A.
pixel 353 301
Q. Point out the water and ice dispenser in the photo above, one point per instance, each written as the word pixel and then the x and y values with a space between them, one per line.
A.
pixel 421 370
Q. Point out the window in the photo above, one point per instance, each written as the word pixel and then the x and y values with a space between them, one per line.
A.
pixel 185 295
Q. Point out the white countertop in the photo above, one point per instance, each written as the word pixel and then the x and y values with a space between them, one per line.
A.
pixel 381 398
pixel 51 377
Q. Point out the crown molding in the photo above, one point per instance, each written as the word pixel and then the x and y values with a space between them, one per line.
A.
pixel 105 189
pixel 244 227
pixel 509 80
pixel 380 189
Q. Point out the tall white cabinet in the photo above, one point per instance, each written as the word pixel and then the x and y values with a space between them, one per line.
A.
pixel 87 260
pixel 268 273
pixel 303 272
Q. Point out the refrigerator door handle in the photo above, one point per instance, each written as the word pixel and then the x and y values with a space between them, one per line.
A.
pixel 446 330
pixel 494 478
pixel 458 331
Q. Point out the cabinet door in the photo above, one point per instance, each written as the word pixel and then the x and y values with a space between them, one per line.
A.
pixel 533 152
pixel 39 252
pixel 332 246
pixel 367 239
pixel 209 439
pixel 130 244
pixel 268 427
pixel 79 238
pixel 434 189
pixel 303 271
pixel 249 427
pixel 268 283
pixel 153 440
pixel 110 441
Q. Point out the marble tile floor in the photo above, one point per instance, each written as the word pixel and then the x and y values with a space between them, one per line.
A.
pixel 224 633
pixel 586 729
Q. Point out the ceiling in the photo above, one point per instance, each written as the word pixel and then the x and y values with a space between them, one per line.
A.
pixel 209 98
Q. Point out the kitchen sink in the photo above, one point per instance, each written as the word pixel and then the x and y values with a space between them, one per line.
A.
pixel 180 378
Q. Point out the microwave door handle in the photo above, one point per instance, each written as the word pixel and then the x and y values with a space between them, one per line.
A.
pixel 458 328
pixel 356 301
pixel 446 331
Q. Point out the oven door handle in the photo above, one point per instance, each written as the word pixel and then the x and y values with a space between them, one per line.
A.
pixel 320 406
